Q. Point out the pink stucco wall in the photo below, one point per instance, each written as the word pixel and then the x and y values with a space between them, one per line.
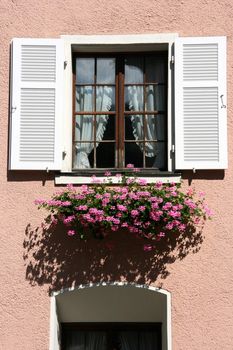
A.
pixel 201 284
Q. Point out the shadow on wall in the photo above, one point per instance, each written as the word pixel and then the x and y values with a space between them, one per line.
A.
pixel 52 258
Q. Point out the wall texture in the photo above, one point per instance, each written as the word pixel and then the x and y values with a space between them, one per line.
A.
pixel 201 284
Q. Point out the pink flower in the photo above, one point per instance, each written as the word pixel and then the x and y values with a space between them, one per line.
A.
pixel 158 184
pixel 201 194
pixel 121 207
pixel 169 226
pixel 114 228
pixel 143 193
pixel 107 173
pixel 154 205
pixel 154 199
pixel 190 203
pixel 95 180
pixel 208 211
pixel 109 218
pixel 196 221
pixel 147 247
pixel 174 193
pixel 65 204
pixel 130 166
pixel 190 192
pixel 79 196
pixel 129 181
pixel 142 208
pixel 123 197
pixel 182 227
pixel 70 187
pixel 69 219
pixel 81 207
pixel 161 234
pixel 134 212
pixel 105 201
pixel 155 215
pixel 54 202
pixel 98 196
pixel 71 232
pixel 54 221
pixel 167 206
pixel 142 182
pixel 174 214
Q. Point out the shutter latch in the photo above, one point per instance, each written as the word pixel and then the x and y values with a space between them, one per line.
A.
pixel 172 59
pixel 223 105
pixel 64 154
pixel 13 109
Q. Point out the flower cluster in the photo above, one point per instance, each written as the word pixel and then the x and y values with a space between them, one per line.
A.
pixel 149 210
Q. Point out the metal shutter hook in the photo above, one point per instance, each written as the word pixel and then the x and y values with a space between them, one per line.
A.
pixel 222 106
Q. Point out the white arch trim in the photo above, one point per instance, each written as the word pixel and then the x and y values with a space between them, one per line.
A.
pixel 54 324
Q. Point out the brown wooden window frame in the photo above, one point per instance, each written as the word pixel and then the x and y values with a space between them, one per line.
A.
pixel 120 111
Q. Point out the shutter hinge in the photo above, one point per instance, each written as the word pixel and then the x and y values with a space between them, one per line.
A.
pixel 173 148
pixel 172 59
pixel 65 64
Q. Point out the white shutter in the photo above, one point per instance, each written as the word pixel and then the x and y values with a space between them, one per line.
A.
pixel 200 103
pixel 36 104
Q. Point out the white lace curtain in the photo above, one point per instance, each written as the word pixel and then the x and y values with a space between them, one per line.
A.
pixel 132 341
pixel 154 100
pixel 84 130
pixel 98 341
pixel 86 341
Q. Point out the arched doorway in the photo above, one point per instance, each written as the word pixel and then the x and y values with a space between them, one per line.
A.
pixel 115 313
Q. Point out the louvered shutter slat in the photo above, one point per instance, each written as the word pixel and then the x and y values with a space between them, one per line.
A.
pixel 200 118
pixel 36 98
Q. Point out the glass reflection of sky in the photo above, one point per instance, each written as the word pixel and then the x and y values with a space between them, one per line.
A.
pixel 85 69
pixel 106 71
pixel 133 70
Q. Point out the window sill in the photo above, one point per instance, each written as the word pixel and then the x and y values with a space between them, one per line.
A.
pixel 78 179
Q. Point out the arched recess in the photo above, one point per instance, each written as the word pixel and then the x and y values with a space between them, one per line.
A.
pixel 111 302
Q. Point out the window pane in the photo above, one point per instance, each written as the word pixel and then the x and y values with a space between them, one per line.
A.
pixel 148 340
pixel 85 69
pixel 105 98
pixel 106 71
pixel 134 99
pixel 133 154
pixel 83 155
pixel 105 127
pixel 74 339
pixel 105 155
pixel 133 70
pixel 155 69
pixel 134 128
pixel 155 127
pixel 84 128
pixel 129 340
pixel 156 155
pixel 78 340
pixel 155 98
pixel 84 99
